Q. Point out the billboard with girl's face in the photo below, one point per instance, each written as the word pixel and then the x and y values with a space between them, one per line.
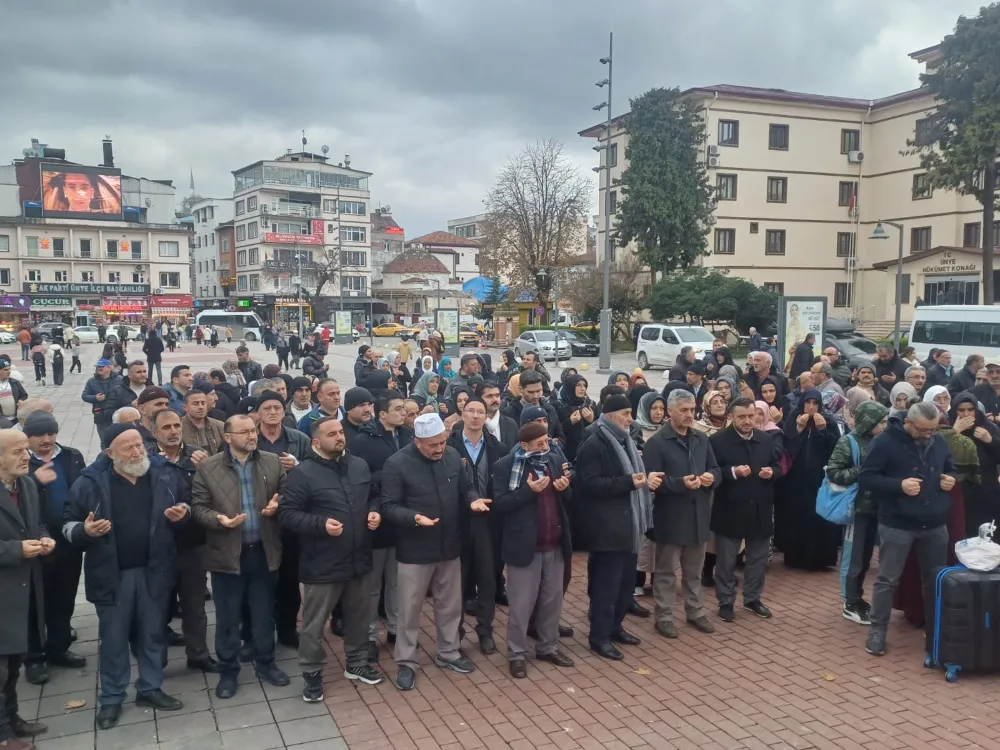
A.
pixel 70 191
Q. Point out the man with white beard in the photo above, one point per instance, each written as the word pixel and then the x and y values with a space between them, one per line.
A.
pixel 121 511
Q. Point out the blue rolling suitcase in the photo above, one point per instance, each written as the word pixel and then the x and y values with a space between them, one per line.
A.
pixel 966 622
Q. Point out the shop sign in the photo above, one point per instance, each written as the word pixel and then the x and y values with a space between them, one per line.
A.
pixel 35 287
pixel 124 304
pixel 41 303
pixel 259 299
pixel 13 303
pixel 178 301
pixel 948 263
pixel 243 303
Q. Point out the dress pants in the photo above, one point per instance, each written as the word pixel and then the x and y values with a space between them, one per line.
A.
pixel 691 559
pixel 611 582
pixel 191 591
pixel 445 581
pixel 10 667
pixel 535 593
pixel 257 584
pixel 860 537
pixel 317 601
pixel 727 550
pixel 479 581
pixel 384 568
pixel 60 579
pixel 287 598
pixel 137 610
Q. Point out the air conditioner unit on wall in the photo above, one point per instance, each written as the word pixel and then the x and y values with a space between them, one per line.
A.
pixel 713 162
pixel 713 150
pixel 855 157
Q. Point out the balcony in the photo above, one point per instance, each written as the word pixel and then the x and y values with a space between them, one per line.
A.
pixel 303 210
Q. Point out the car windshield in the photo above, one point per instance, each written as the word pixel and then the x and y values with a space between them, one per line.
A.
pixel 865 345
pixel 694 334
pixel 545 336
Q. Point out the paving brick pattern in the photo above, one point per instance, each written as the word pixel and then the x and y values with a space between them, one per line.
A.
pixel 799 680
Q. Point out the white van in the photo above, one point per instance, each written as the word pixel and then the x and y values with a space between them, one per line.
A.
pixel 245 324
pixel 961 329
pixel 658 344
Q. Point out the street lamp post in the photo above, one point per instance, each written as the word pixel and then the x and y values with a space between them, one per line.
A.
pixel 879 233
pixel 604 361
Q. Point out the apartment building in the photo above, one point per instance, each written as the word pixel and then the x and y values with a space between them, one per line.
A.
pixel 469 227
pixel 294 215
pixel 207 216
pixel 801 181
pixel 388 239
pixel 81 242
pixel 459 255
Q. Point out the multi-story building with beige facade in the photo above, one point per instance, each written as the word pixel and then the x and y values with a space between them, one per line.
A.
pixel 206 217
pixel 469 227
pixel 801 181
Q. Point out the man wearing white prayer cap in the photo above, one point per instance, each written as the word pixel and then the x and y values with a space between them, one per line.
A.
pixel 426 490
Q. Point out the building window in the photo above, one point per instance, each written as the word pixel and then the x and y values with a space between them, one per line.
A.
pixel 774 242
pixel 251 203
pixel 777 137
pixel 31 243
pixel 850 140
pixel 777 189
pixel 353 258
pixel 62 275
pixel 254 282
pixel 845 244
pixel 775 287
pixel 58 247
pixel 136 249
pixel 87 276
pixel 841 294
pixel 170 279
pixel 241 233
pixel 138 278
pixel 5 276
pixel 241 282
pixel 4 243
pixel 725 187
pixel 352 283
pixel 199 266
pixel 352 234
pixel 34 274
pixel 330 206
pixel 252 229
pixel 922 187
pixel 725 241
pixel 114 277
pixel 904 298
pixel 613 201
pixel 112 247
pixel 729 132
pixel 355 208
pixel 972 235
pixel 754 227
pixel 920 239
pixel 613 155
pixel 170 249
pixel 241 258
pixel 923 134
pixel 84 248
pixel 197 241
pixel 211 238
pixel 224 243
pixel 213 264
pixel 846 193
pixel 215 292
pixel 240 208
pixel 253 258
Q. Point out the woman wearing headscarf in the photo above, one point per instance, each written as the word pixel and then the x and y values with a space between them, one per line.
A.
pixel 567 372
pixel 939 396
pixel 770 394
pixel 909 595
pixel 982 502
pixel 723 357
pixel 861 535
pixel 809 541
pixel 650 417
pixel 728 386
pixel 735 375
pixel 714 414
pixel 635 395
pixel 576 411
pixel 513 392
pixel 620 378
pixel 637 379
pixel 507 368
pixel 901 397
pixel 444 369
pixel 764 421
pixel 426 391
pixel 399 371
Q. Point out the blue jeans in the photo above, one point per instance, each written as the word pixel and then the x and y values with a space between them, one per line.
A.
pixel 258 584
pixel 159 372
pixel 25 348
pixel 611 585
pixel 137 608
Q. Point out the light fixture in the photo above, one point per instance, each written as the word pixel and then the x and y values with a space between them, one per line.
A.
pixel 879 233
pixel 602 84
pixel 596 169
pixel 605 60
pixel 599 107
pixel 598 147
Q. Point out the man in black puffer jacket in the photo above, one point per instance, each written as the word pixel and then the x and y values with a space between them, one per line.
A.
pixel 425 491
pixel 326 503
pixel 229 395
pixel 313 364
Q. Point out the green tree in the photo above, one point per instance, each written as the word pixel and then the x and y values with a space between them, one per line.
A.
pixel 666 207
pixel 711 296
pixel 494 298
pixel 961 143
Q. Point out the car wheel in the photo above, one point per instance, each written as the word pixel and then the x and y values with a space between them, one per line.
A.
pixel 251 337
pixel 643 361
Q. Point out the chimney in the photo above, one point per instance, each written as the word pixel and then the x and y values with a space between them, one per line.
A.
pixel 109 156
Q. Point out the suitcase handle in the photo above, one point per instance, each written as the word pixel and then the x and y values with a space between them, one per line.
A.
pixel 937 607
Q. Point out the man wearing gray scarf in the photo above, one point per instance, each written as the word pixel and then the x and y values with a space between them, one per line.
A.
pixel 615 512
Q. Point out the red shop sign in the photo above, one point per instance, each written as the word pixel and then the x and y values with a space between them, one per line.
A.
pixel 294 239
pixel 179 301
pixel 124 304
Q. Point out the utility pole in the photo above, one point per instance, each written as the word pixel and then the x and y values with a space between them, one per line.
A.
pixel 604 360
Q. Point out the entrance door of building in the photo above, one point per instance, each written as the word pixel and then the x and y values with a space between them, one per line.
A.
pixel 951 290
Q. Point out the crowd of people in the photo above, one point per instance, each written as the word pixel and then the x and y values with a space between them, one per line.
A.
pixel 307 506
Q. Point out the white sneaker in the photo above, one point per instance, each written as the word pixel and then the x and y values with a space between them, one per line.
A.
pixel 639 591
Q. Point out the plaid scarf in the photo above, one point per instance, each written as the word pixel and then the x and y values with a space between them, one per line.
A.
pixel 521 458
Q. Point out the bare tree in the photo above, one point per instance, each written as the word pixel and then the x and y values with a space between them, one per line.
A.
pixel 326 265
pixel 535 216
pixel 584 290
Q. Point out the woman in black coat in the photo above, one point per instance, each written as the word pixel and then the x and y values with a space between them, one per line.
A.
pixel 724 357
pixel 982 501
pixel 576 410
pixel 808 540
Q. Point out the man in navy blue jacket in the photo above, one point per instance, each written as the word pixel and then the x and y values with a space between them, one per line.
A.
pixel 909 471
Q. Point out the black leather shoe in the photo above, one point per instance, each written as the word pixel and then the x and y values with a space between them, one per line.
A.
pixel 626 639
pixel 405 678
pixel 67 659
pixel 158 700
pixel 557 657
pixel 173 638
pixel 487 645
pixel 246 653
pixel 337 626
pixel 637 610
pixel 37 673
pixel 22 728
pixel 271 673
pixel 107 716
pixel 226 687
pixel 208 664
pixel 607 651
pixel 518 669
pixel 565 631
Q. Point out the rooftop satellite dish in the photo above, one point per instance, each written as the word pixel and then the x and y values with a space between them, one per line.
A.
pixel 388 209
pixel 149 202
pixel 325 150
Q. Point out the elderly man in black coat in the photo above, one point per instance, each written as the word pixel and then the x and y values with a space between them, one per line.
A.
pixel 681 511
pixel 742 509
pixel 23 539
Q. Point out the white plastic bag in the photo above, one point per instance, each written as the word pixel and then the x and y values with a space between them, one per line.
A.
pixel 980 553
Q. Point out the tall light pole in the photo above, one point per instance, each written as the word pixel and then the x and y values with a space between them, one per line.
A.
pixel 604 361
pixel 879 233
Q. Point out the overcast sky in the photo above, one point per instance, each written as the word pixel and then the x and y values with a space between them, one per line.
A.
pixel 430 95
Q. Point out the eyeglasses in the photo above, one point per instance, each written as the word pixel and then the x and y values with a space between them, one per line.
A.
pixel 243 433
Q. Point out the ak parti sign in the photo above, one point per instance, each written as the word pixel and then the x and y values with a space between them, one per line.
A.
pixel 316 238
pixel 177 301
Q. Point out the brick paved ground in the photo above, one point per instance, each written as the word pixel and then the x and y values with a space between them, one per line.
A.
pixel 800 680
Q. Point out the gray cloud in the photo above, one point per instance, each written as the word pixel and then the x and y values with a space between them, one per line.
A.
pixel 430 95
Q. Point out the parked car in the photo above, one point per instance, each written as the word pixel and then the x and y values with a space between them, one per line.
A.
pixel 543 342
pixel 659 344
pixel 388 329
pixel 6 337
pixel 855 350
pixel 468 337
pixel 86 334
pixel 581 346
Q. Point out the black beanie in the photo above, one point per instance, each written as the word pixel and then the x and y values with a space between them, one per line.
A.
pixel 269 396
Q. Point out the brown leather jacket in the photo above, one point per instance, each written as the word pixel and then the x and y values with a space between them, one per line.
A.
pixel 217 491
pixel 213 432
